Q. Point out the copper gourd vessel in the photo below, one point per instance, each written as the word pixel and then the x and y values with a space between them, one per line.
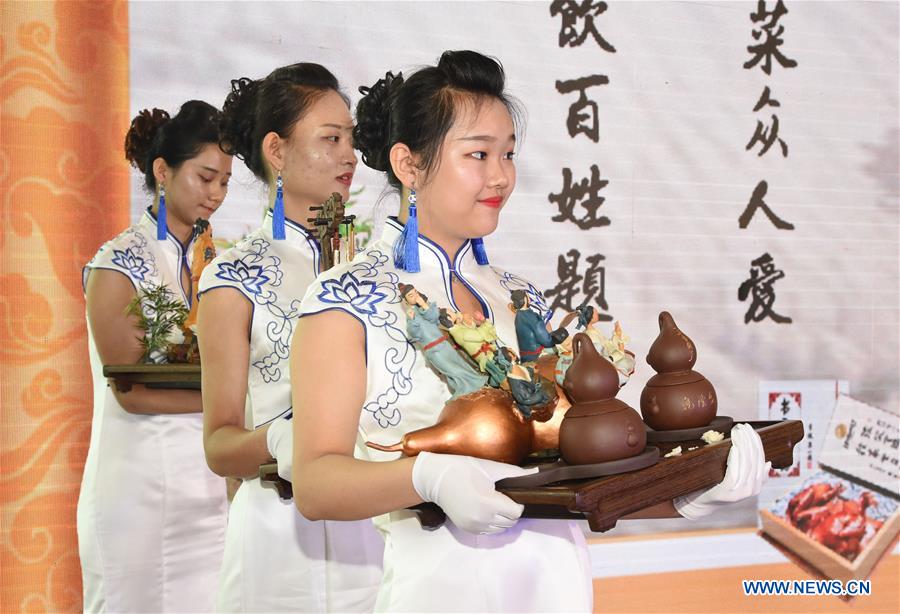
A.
pixel 598 427
pixel 677 397
pixel 484 424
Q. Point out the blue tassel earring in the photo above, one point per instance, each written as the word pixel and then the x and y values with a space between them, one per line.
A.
pixel 161 226
pixel 478 249
pixel 406 248
pixel 278 210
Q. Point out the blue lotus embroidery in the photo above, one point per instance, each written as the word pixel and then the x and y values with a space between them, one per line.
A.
pixel 362 296
pixel 132 262
pixel 252 277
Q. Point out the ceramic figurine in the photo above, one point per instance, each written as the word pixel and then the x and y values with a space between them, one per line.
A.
pixel 329 216
pixel 613 349
pixel 203 250
pixel 677 397
pixel 525 386
pixel 478 338
pixel 598 427
pixel 422 327
pixel 531 332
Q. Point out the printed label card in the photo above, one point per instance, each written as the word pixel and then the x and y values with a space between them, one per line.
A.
pixel 863 441
pixel 810 401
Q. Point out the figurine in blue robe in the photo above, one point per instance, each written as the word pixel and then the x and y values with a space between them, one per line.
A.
pixel 439 352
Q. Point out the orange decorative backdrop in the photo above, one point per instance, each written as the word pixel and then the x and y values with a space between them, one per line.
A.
pixel 64 187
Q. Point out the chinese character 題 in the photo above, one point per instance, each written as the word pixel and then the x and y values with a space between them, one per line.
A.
pixel 591 285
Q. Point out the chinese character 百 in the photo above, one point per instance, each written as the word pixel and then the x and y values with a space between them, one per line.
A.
pixel 763 276
pixel 757 202
pixel 583 112
pixel 586 195
pixel 769 47
pixel 571 11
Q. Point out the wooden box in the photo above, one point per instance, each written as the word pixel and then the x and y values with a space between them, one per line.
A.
pixel 844 518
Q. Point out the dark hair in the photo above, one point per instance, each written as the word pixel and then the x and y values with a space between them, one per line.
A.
pixel 585 314
pixel 255 108
pixel 518 298
pixel 420 110
pixel 444 318
pixel 154 134
pixel 405 289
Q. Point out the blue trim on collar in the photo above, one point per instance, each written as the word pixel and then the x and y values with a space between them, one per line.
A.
pixel 448 266
pixel 299 229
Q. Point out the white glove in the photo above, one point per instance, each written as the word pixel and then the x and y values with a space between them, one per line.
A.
pixel 463 486
pixel 280 441
pixel 746 472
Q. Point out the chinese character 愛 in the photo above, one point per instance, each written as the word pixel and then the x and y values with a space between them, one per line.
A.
pixel 759 286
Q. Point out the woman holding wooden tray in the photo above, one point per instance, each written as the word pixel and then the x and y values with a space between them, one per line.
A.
pixel 151 516
pixel 293 130
pixel 446 138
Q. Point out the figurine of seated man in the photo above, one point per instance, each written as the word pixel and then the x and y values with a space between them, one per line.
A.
pixel 611 349
pixel 524 386
pixel 478 337
pixel 422 319
pixel 532 334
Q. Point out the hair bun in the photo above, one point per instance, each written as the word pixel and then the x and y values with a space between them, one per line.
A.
pixel 372 131
pixel 141 134
pixel 473 72
pixel 238 118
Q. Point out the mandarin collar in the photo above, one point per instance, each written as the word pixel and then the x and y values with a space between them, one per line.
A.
pixel 149 223
pixel 295 235
pixel 431 254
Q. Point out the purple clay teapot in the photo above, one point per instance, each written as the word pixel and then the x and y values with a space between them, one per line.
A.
pixel 677 397
pixel 598 427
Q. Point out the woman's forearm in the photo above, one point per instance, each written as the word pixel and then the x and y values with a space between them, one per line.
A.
pixel 232 451
pixel 340 487
pixel 143 400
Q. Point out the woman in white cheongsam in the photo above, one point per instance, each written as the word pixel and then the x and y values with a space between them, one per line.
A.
pixel 446 132
pixel 151 515
pixel 293 130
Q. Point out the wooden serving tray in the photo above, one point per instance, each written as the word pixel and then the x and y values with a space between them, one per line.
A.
pixel 186 376
pixel 603 501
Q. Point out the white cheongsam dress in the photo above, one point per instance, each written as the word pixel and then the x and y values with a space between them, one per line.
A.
pixel 151 515
pixel 276 560
pixel 536 566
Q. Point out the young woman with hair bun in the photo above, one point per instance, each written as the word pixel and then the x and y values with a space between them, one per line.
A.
pixel 151 516
pixel 291 128
pixel 446 139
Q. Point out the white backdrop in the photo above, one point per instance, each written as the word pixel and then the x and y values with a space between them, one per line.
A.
pixel 674 123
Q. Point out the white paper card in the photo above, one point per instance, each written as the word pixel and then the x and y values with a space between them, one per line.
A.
pixel 862 441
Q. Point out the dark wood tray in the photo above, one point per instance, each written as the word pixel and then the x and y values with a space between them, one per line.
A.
pixel 186 376
pixel 603 501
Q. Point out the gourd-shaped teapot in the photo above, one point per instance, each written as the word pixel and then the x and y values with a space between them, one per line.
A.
pixel 677 397
pixel 598 427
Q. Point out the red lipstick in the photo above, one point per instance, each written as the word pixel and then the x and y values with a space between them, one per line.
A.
pixel 494 201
